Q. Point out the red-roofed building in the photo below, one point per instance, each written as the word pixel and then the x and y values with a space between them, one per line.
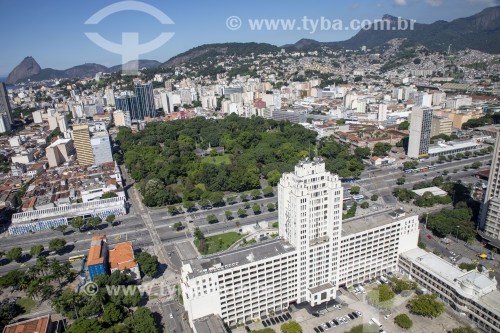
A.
pixel 39 325
pixel 97 262
pixel 122 257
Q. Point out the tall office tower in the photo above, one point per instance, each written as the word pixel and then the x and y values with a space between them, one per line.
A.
pixel 490 209
pixel 310 215
pixel 5 110
pixel 81 138
pixel 128 103
pixel 420 132
pixel 145 100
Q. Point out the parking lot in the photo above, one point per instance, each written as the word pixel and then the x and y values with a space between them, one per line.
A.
pixel 357 303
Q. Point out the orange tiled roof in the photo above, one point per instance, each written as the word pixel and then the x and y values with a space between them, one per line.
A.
pixel 122 256
pixel 95 251
pixel 39 325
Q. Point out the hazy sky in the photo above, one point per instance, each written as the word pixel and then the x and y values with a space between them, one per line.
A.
pixel 52 31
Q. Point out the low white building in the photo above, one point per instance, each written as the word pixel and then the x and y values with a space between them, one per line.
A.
pixel 472 294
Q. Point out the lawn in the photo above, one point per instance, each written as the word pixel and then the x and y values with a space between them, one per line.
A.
pixel 218 243
pixel 26 304
pixel 217 160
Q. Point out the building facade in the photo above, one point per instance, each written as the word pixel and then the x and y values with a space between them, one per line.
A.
pixel 314 254
pixel 472 294
pixel 101 147
pixel 5 109
pixel 122 118
pixel 420 132
pixel 441 125
pixel 60 152
pixel 490 209
pixel 81 138
pixel 145 101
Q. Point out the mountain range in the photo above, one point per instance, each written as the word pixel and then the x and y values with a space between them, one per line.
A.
pixel 29 69
pixel 480 32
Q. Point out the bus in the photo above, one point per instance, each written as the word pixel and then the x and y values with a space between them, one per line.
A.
pixel 76 258
pixel 376 322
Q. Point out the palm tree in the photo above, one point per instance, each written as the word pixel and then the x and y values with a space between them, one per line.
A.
pixel 41 264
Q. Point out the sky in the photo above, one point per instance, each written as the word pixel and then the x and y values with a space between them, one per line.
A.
pixel 53 31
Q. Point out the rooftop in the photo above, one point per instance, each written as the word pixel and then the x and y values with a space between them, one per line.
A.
pixel 433 189
pixel 378 219
pixel 38 325
pixel 95 253
pixel 209 324
pixel 122 256
pixel 240 256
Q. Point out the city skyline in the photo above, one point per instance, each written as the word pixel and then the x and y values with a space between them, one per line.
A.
pixel 54 33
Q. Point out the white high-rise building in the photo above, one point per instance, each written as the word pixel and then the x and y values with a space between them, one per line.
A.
pixel 110 97
pixel 420 132
pixel 382 112
pixel 490 217
pixel 424 100
pixel 314 254
pixel 310 214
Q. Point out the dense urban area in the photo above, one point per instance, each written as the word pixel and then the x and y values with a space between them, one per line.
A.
pixel 259 189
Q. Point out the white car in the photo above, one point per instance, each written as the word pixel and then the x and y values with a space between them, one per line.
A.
pixel 171 316
pixel 359 313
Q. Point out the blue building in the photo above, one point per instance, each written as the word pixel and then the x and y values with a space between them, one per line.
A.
pixel 128 103
pixel 98 259
pixel 145 100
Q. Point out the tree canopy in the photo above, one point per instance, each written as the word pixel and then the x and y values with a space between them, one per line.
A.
pixel 426 305
pixel 163 155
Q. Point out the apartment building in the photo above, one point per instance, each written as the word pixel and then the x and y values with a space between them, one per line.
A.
pixel 420 132
pixel 472 294
pixel 81 137
pixel 314 254
pixel 490 209
pixel 441 125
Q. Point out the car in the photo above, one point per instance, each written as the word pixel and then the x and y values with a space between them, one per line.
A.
pixel 332 323
pixel 273 321
pixel 288 315
pixel 280 318
pixel 387 316
pixel 359 313
pixel 315 314
pixel 429 236
pixel 171 316
pixel 321 329
pixel 316 330
pixel 247 329
pixel 328 324
pixel 350 316
pixel 268 322
pixel 355 315
pixel 336 322
pixel 23 265
pixel 264 323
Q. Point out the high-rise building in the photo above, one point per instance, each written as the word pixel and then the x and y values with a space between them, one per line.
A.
pixel 313 256
pixel 310 201
pixel 129 104
pixel 59 152
pixel 5 109
pixel 420 132
pixel 145 101
pixel 490 209
pixel 81 138
pixel 110 97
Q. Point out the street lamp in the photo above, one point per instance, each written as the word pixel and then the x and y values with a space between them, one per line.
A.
pixel 456 236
